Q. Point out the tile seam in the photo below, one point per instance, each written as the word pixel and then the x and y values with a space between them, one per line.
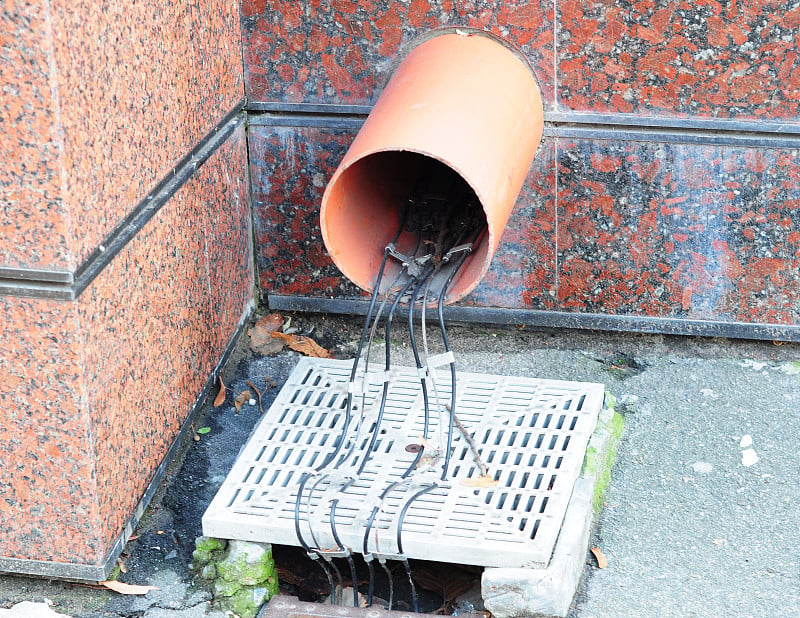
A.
pixel 69 285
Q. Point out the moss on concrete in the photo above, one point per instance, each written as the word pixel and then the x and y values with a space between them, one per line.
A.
pixel 242 575
pixel 602 450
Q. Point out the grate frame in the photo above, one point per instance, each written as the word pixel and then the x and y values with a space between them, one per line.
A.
pixel 531 433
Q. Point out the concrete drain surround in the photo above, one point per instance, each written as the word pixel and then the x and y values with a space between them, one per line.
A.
pixel 532 435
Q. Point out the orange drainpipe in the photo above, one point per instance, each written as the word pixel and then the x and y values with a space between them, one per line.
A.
pixel 463 99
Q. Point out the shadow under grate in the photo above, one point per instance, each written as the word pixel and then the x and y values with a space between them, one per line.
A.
pixel 531 434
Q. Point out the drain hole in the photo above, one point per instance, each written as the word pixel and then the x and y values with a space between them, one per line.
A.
pixel 489 496
pixel 553 441
pixel 558 462
pixel 539 479
pixel 510 478
pixel 522 523
pixel 525 439
pixel 529 506
pixel 552 482
pixel 580 402
pixel 574 422
pixel 535 529
pixel 534 419
pixel 512 439
pixel 515 502
pixel 547 420
pixel 539 441
pixel 561 420
pixel 502 500
pixel 499 437
pixel 545 461
pixel 566 443
pixel 524 480
pixel 543 505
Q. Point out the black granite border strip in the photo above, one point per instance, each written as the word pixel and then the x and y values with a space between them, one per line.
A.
pixel 64 285
pixel 560 319
pixel 99 572
pixel 712 131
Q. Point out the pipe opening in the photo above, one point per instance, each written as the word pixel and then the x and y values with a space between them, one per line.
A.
pixel 415 204
pixel 449 142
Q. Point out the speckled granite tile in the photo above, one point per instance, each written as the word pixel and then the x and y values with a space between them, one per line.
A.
pixel 709 59
pixel 139 85
pixel 523 271
pixel 343 51
pixel 106 99
pixel 34 227
pixel 159 318
pixel 47 500
pixel 678 230
pixel 290 168
pixel 95 391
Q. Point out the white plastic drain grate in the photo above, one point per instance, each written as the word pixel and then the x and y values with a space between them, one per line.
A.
pixel 531 434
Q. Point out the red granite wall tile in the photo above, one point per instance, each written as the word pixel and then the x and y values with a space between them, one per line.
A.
pixel 33 218
pixel 523 271
pixel 104 101
pixel 139 85
pixel 679 230
pixel 290 168
pixel 93 392
pixel 47 500
pixel 157 321
pixel 708 59
pixel 342 52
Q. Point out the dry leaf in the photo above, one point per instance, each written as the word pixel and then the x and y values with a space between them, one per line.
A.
pixel 260 340
pixel 304 345
pixel 220 399
pixel 241 398
pixel 479 481
pixel 602 561
pixel 124 588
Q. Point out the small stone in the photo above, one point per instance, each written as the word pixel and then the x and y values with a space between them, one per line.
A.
pixel 209 571
pixel 749 457
pixel 226 588
pixel 702 467
pixel 251 401
pixel 206 548
pixel 746 441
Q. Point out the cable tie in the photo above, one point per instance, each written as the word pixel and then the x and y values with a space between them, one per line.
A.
pixel 355 388
pixel 446 358
pixel 423 372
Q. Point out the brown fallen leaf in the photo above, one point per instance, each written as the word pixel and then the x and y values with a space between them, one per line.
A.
pixel 220 398
pixel 260 340
pixel 241 399
pixel 602 561
pixel 304 345
pixel 124 588
pixel 479 481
